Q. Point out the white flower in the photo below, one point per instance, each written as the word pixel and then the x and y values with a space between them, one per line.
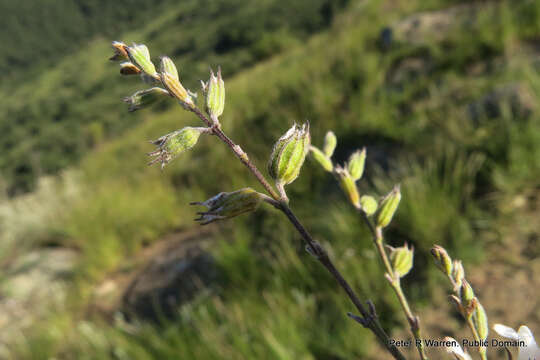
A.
pixel 527 352
pixel 456 350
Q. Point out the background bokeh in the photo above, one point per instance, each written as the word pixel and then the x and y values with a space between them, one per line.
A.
pixel 99 255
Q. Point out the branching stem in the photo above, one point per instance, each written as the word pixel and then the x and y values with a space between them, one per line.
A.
pixel 395 283
pixel 368 319
pixel 470 324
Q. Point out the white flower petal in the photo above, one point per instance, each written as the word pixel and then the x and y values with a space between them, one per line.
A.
pixel 456 349
pixel 531 350
pixel 506 331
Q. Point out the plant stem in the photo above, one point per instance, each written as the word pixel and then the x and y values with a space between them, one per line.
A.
pixel 468 319
pixel 369 320
pixel 395 283
pixel 481 349
pixel 240 154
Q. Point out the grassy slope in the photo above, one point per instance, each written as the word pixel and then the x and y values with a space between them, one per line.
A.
pixel 59 112
pixel 338 81
pixel 37 34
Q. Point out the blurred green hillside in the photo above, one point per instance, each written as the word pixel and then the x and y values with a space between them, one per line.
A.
pixel 53 106
pixel 443 94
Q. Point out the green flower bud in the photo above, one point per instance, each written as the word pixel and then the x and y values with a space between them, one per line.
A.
pixel 120 51
pixel 144 98
pixel 140 56
pixel 388 207
pixel 289 154
pixel 480 321
pixel 127 68
pixel 458 273
pixel 356 164
pixel 227 205
pixel 348 186
pixel 466 293
pixel 368 204
pixel 322 159
pixel 176 90
pixel 214 91
pixel 402 260
pixel 442 260
pixel 167 66
pixel 330 142
pixel 175 143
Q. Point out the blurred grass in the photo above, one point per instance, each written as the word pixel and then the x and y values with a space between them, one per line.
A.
pixel 272 300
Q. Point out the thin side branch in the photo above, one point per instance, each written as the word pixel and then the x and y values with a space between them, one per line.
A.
pixel 413 320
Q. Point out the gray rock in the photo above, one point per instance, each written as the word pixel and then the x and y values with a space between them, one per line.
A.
pixel 433 25
pixel 516 99
pixel 169 281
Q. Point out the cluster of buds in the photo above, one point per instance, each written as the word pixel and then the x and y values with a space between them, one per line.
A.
pixel 349 174
pixel 288 155
pixel 463 294
pixel 139 63
pixel 175 143
pixel 226 205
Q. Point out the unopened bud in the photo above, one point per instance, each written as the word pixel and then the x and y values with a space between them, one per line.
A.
pixel 388 207
pixel 140 56
pixel 215 95
pixel 144 98
pixel 480 321
pixel 166 66
pixel 368 204
pixel 127 68
pixel 458 273
pixel 120 52
pixel 330 142
pixel 227 205
pixel 348 186
pixel 176 90
pixel 466 293
pixel 442 260
pixel 322 159
pixel 288 154
pixel 356 164
pixel 402 260
pixel 175 143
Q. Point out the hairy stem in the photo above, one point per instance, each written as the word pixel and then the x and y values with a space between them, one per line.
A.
pixel 368 319
pixel 240 154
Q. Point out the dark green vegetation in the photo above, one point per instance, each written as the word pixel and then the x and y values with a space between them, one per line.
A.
pixel 450 114
pixel 57 110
